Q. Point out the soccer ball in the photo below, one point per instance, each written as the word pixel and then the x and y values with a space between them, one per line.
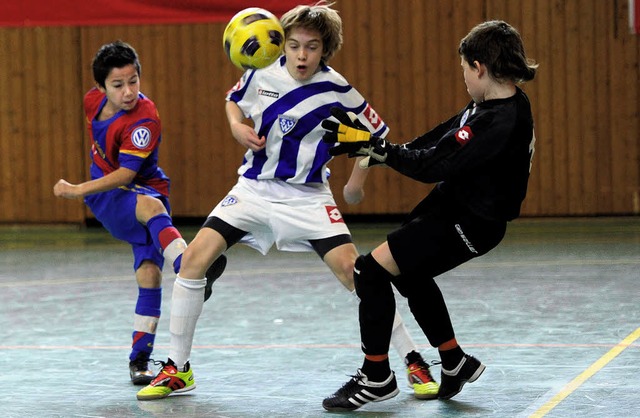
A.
pixel 253 38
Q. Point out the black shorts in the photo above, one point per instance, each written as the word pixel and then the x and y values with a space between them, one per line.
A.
pixel 439 235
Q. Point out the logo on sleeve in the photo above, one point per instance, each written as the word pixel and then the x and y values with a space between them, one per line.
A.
pixel 464 135
pixel 141 137
pixel 372 116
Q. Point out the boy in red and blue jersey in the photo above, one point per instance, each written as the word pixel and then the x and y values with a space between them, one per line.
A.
pixel 128 192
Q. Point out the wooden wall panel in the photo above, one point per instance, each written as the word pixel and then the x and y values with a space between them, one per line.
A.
pixel 40 131
pixel 585 100
pixel 400 55
pixel 625 106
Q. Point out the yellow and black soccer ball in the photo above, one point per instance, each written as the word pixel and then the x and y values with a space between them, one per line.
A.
pixel 253 38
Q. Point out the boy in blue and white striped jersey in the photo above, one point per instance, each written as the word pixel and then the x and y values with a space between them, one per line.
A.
pixel 282 196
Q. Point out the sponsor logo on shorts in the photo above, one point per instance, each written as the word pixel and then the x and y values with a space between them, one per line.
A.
pixel 141 137
pixel 465 239
pixel 334 214
pixel 286 123
pixel 229 200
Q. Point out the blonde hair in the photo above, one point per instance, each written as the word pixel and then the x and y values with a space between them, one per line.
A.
pixel 318 17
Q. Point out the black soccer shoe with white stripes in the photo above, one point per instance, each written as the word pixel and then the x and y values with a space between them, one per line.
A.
pixel 213 273
pixel 451 381
pixel 359 391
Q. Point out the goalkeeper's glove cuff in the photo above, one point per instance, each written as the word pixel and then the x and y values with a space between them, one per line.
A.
pixel 375 153
pixel 378 149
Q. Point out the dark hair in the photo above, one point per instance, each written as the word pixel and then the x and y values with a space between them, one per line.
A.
pixel 114 55
pixel 499 46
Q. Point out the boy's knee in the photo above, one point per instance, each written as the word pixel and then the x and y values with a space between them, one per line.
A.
pixel 368 274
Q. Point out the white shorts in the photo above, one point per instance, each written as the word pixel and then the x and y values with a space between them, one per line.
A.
pixel 289 215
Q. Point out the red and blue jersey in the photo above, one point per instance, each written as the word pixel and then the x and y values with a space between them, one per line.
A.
pixel 128 139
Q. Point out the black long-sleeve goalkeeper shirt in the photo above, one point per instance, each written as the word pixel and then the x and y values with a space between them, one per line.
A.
pixel 481 157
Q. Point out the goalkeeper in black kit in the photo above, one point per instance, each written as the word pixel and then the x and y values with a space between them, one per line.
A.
pixel 480 160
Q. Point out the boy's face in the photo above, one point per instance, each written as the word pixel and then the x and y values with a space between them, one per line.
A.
pixel 303 49
pixel 122 87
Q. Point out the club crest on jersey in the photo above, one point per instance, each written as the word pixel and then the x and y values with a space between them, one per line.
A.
pixel 141 137
pixel 286 123
pixel 334 214
pixel 229 200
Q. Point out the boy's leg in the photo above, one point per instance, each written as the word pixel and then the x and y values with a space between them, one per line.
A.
pixel 176 375
pixel 167 239
pixel 187 300
pixel 334 252
pixel 147 315
pixel 171 245
pixel 375 381
pixel 454 243
pixel 147 264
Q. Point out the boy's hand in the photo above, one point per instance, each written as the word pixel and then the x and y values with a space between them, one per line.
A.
pixel 66 190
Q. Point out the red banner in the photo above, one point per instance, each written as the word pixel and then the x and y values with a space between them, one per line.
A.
pixel 634 16
pixel 128 12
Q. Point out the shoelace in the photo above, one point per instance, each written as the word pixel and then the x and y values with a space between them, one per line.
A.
pixel 354 379
pixel 425 368
pixel 158 362
pixel 161 363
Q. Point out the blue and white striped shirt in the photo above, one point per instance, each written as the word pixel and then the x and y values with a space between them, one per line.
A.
pixel 289 114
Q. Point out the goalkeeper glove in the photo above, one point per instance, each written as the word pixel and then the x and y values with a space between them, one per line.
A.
pixel 353 138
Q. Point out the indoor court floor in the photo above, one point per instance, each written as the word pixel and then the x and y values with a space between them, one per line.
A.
pixel 553 312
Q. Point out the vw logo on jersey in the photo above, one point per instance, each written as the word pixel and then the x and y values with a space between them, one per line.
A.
pixel 229 200
pixel 286 123
pixel 141 137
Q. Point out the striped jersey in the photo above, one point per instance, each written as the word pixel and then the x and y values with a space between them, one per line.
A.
pixel 288 113
pixel 128 139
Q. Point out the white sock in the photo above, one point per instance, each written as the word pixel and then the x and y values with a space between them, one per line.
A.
pixel 187 299
pixel 400 338
pixel 174 249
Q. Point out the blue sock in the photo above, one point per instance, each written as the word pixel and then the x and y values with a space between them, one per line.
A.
pixel 177 263
pixel 148 305
pixel 156 225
